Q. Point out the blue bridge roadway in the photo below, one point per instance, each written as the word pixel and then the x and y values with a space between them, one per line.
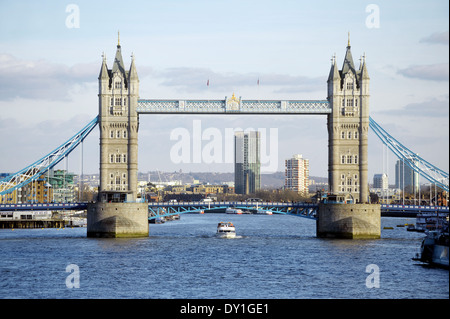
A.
pixel 162 209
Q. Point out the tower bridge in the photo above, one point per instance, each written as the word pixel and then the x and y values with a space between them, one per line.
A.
pixel 346 108
pixel 118 212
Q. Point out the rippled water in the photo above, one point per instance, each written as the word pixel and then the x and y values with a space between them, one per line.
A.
pixel 273 257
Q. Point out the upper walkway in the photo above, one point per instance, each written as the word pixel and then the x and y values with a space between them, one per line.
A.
pixel 234 105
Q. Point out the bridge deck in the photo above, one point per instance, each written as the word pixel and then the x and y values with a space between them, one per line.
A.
pixel 233 106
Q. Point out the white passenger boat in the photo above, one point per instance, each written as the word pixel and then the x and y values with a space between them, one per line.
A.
pixel 226 230
pixel 230 210
pixel 264 212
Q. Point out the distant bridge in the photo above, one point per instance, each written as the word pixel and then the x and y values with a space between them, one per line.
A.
pixel 162 209
pixel 46 206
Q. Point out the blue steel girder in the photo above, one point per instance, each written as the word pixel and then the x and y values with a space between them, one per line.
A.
pixel 414 161
pixel 161 209
pixel 177 210
pixel 307 212
pixel 35 170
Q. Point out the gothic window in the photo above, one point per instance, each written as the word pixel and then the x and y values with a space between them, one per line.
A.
pixel 124 157
pixel 117 180
pixel 118 85
pixel 349 159
pixel 343 102
pixel 349 181
pixel 343 159
pixel 117 158
pixel 349 102
pixel 118 101
pixel 125 134
pixel 111 158
pixel 118 134
pixel 356 159
pixel 125 102
pixel 349 85
pixel 356 134
pixel 111 134
pixel 349 135
pixel 356 102
pixel 343 135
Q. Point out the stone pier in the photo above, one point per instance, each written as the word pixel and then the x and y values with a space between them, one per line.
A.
pixel 353 221
pixel 114 220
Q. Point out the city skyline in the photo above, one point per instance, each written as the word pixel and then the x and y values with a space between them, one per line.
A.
pixel 49 73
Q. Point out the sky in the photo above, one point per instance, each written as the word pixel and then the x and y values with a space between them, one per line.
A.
pixel 51 53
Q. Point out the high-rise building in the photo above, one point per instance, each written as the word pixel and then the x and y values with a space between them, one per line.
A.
pixel 247 162
pixel 406 178
pixel 381 181
pixel 296 175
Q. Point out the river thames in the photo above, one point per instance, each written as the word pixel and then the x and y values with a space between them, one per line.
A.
pixel 273 257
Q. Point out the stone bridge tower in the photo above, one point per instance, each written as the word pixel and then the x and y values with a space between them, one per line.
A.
pixel 118 96
pixel 118 212
pixel 348 125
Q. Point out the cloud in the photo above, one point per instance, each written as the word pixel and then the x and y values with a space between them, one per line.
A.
pixel 44 80
pixel 432 108
pixel 436 38
pixel 433 72
pixel 41 79
pixel 196 79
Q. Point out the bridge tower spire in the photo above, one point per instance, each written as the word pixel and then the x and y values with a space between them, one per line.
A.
pixel 348 125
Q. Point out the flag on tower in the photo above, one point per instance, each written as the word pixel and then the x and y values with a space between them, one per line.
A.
pixel 207 83
pixel 257 82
